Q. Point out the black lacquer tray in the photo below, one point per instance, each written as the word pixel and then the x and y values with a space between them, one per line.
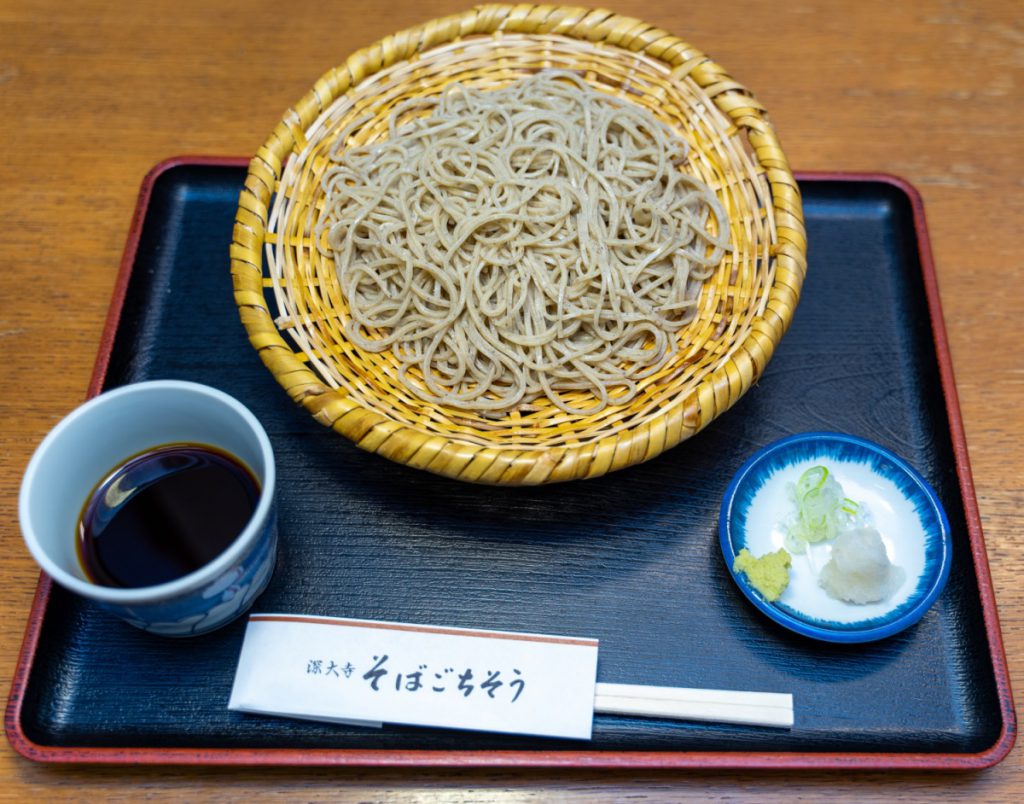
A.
pixel 632 558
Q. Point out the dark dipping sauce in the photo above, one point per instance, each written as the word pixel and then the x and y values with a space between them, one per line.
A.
pixel 163 514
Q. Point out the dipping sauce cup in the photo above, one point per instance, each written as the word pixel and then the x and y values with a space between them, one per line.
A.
pixel 96 438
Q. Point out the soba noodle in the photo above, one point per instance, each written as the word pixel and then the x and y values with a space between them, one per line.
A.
pixel 536 240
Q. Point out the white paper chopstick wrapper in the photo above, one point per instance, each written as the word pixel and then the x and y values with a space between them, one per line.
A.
pixel 366 672
pixel 362 671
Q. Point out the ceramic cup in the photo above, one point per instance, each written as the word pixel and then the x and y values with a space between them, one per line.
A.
pixel 96 438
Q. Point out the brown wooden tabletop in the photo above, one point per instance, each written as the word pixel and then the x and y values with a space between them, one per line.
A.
pixel 93 94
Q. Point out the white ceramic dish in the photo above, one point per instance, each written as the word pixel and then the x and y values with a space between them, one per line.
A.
pixel 900 505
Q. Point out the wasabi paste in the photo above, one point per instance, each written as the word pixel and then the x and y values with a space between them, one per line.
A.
pixel 768 574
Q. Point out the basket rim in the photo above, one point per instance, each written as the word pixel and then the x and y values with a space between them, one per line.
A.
pixel 448 454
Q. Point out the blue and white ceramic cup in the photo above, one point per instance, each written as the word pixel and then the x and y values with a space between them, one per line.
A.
pixel 99 436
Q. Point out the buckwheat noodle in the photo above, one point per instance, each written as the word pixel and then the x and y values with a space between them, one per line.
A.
pixel 536 240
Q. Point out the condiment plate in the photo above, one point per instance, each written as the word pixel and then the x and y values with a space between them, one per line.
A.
pixel 899 503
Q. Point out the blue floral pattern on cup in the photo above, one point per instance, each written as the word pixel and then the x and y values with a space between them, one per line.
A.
pixel 212 606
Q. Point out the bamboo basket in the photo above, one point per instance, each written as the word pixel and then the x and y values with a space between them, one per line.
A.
pixel 291 305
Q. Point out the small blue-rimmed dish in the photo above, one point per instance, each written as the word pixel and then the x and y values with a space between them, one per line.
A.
pixel 899 503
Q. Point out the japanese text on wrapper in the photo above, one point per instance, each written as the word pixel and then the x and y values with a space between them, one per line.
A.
pixel 423 678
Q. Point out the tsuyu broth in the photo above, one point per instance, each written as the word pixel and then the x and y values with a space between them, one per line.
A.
pixel 163 514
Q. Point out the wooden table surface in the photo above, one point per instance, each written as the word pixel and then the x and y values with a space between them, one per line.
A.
pixel 93 94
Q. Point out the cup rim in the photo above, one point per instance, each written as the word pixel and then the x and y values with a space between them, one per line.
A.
pixel 187 583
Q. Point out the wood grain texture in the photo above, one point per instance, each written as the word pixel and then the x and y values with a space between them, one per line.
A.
pixel 93 94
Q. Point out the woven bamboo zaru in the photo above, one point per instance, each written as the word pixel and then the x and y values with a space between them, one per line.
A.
pixel 288 294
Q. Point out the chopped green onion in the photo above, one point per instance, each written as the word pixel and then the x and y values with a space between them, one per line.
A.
pixel 811 480
pixel 822 512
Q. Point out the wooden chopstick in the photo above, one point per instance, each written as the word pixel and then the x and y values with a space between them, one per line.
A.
pixel 719 706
